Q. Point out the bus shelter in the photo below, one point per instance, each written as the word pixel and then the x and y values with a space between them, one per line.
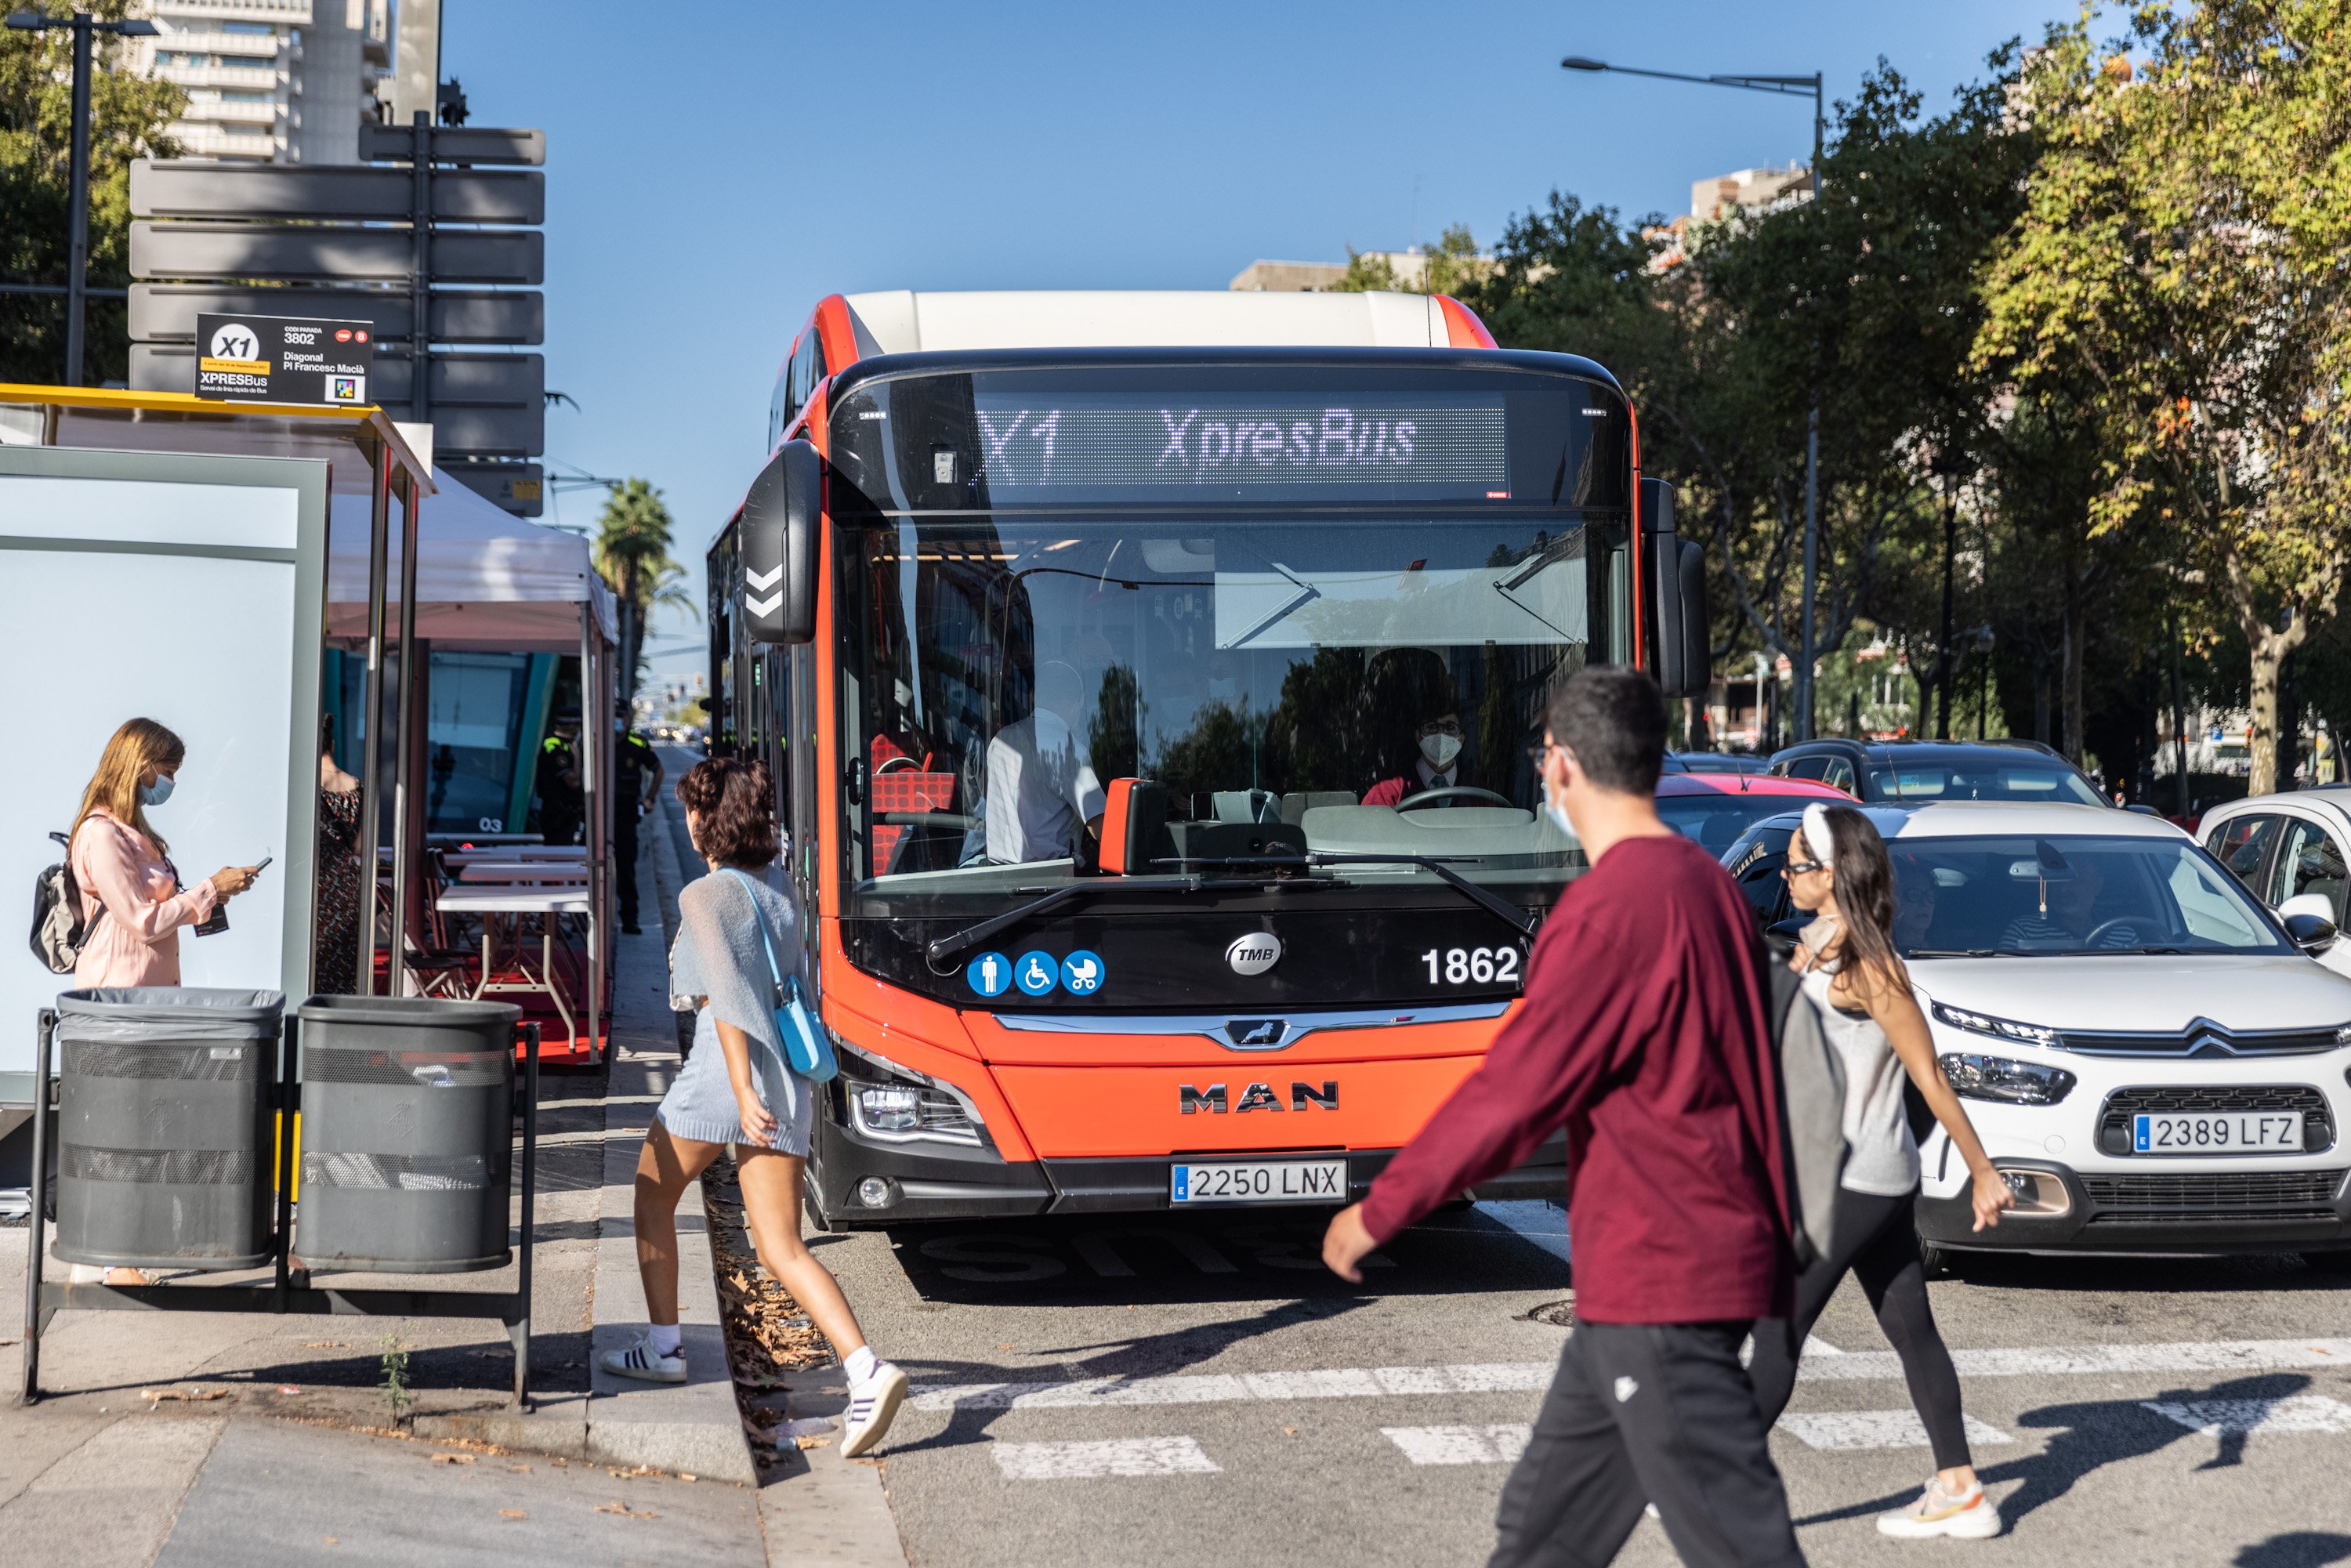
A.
pixel 398 557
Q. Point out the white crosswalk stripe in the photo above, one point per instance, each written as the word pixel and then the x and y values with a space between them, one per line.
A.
pixel 1843 1430
pixel 2296 1412
pixel 1499 1443
pixel 1517 1377
pixel 1114 1457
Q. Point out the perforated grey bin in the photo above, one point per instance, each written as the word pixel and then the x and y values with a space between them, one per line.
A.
pixel 165 1136
pixel 407 1134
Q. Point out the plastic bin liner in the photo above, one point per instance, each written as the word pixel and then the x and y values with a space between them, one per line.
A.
pixel 166 1134
pixel 407 1134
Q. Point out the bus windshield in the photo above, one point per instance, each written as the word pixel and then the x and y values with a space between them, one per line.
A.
pixel 1370 681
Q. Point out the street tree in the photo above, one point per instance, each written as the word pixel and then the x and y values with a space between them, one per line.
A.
pixel 129 113
pixel 2180 265
pixel 634 537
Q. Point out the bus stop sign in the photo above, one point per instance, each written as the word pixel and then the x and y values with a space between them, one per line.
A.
pixel 284 359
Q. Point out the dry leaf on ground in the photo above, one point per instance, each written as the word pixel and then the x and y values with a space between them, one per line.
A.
pixel 512 1513
pixel 452 1458
pixel 624 1511
pixel 193 1395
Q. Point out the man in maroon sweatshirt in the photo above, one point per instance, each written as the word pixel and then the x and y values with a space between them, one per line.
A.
pixel 1642 1032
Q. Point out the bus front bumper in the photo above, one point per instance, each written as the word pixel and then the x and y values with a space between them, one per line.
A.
pixel 917 1182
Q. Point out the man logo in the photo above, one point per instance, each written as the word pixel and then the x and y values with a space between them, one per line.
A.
pixel 235 340
pixel 1254 954
pixel 1257 1097
pixel 1256 1034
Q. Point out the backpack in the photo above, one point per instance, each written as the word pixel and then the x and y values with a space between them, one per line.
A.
pixel 1811 1105
pixel 58 929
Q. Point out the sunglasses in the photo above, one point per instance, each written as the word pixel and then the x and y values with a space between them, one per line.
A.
pixel 1802 868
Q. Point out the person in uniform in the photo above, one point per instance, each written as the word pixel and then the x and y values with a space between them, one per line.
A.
pixel 562 805
pixel 636 779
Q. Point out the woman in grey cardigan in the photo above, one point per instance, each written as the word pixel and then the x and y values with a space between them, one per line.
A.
pixel 736 1091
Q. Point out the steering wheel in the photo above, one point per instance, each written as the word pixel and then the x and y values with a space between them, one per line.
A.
pixel 2103 926
pixel 1462 791
pixel 888 763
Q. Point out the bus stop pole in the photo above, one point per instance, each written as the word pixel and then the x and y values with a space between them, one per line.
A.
pixel 404 752
pixel 371 714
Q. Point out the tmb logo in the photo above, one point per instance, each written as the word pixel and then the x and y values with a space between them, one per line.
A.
pixel 1257 1097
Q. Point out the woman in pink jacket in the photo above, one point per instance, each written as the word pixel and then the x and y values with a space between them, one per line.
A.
pixel 131 897
pixel 132 903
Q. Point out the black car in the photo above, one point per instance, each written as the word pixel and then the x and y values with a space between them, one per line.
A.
pixel 1715 762
pixel 1915 772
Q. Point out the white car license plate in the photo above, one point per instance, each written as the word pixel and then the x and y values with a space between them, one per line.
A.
pixel 2217 1133
pixel 1259 1181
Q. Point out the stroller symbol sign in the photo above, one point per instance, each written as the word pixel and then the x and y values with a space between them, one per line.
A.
pixel 1083 973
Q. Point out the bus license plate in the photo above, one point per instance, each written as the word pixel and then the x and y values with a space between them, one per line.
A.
pixel 1259 1181
pixel 2219 1133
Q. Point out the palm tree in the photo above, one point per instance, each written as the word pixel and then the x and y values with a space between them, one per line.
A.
pixel 632 543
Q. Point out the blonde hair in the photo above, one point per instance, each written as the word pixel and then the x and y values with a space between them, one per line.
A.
pixel 139 744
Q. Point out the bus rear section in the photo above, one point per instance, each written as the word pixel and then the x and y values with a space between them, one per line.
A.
pixel 1154 732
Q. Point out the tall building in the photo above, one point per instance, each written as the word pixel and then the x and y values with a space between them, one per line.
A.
pixel 1748 191
pixel 271 81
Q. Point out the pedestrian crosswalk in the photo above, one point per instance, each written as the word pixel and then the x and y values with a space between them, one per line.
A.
pixel 1501 1443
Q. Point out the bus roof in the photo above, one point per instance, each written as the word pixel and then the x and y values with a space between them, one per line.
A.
pixel 901 321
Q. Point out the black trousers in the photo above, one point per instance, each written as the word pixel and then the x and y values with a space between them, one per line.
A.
pixel 1643 1412
pixel 625 857
pixel 1877 1239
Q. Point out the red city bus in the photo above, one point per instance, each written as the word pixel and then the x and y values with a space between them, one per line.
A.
pixel 1149 681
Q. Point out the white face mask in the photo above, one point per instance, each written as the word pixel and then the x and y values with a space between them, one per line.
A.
pixel 1552 808
pixel 1440 751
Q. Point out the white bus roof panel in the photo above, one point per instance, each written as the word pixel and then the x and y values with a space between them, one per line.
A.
pixel 900 321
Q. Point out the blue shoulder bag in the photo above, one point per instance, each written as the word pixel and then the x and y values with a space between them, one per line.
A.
pixel 808 1050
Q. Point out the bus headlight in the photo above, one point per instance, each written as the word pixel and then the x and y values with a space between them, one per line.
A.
pixel 894 1104
pixel 2004 1079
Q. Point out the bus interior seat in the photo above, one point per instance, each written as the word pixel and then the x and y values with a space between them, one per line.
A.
pixel 1298 802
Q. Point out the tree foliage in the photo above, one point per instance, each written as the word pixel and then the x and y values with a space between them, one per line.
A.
pixel 128 115
pixel 633 537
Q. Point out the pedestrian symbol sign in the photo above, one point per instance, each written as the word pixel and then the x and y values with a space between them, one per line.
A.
pixel 991 974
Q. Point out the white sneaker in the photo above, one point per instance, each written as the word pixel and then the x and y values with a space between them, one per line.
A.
pixel 640 1360
pixel 1972 1517
pixel 871 1406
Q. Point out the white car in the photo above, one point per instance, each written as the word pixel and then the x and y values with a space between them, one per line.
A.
pixel 2289 852
pixel 2151 1061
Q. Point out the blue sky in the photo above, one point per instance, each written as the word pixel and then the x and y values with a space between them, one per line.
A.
pixel 714 169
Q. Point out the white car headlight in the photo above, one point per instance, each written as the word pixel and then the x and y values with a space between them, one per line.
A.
pixel 1998 1028
pixel 2004 1079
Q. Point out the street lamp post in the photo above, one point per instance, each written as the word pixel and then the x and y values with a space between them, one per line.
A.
pixel 85 28
pixel 1786 86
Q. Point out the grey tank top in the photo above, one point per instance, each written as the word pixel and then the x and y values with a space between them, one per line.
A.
pixel 1882 1158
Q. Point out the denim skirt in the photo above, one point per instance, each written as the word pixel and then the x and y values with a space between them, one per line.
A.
pixel 700 1103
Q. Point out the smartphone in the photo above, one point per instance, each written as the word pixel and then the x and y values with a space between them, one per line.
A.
pixel 264 865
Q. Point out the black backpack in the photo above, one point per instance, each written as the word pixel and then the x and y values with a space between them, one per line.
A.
pixel 58 929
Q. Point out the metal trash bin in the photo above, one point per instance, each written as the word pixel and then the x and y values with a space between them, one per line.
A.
pixel 166 1147
pixel 407 1134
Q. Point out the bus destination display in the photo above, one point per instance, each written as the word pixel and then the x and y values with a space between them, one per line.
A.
pixel 1427 444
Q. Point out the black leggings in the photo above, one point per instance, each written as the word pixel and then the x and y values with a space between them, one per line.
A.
pixel 1877 1239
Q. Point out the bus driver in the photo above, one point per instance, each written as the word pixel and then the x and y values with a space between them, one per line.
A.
pixel 1041 781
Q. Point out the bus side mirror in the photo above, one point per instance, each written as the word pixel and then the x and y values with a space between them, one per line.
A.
pixel 1677 594
pixel 780 527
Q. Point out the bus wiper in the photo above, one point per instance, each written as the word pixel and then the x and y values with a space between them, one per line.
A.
pixel 957 943
pixel 1502 908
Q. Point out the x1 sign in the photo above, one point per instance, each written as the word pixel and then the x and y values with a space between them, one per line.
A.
pixel 284 359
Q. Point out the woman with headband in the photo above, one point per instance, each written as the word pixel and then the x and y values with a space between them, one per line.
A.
pixel 1837 867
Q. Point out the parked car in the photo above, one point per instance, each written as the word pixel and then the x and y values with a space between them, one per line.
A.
pixel 2151 1058
pixel 2289 852
pixel 1715 808
pixel 1899 772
